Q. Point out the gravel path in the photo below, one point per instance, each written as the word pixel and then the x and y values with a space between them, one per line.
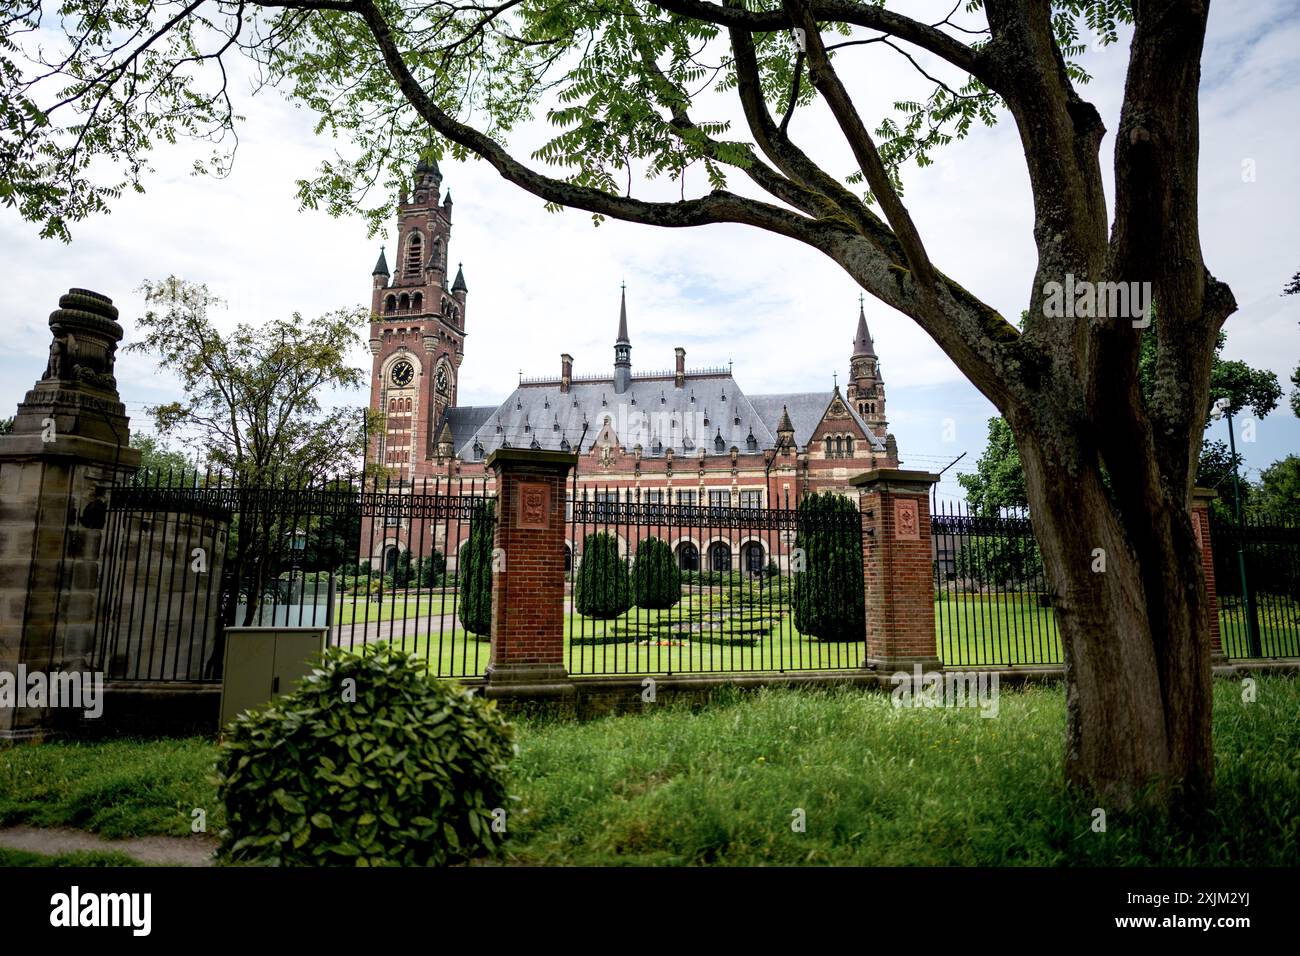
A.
pixel 154 850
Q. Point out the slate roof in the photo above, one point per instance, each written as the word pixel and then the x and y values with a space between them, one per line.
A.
pixel 465 421
pixel 652 412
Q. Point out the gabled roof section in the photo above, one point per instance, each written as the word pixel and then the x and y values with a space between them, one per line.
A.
pixel 806 411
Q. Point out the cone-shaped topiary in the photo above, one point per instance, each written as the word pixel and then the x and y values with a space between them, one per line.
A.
pixel 656 579
pixel 603 588
pixel 368 761
pixel 828 592
pixel 475 610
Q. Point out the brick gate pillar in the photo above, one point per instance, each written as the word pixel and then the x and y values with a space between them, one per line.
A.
pixel 528 572
pixel 68 441
pixel 1201 498
pixel 898 569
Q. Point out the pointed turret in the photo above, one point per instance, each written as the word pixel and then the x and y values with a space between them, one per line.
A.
pixel 381 267
pixel 622 349
pixel 862 344
pixel 459 285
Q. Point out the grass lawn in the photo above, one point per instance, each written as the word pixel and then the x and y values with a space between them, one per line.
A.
pixel 394 606
pixel 720 784
pixel 971 630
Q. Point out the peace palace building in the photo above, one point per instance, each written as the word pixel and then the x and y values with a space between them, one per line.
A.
pixel 682 436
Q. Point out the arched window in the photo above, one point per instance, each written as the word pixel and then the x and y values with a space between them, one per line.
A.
pixel 404 302
pixel 839 447
pixel 407 409
pixel 848 446
pixel 828 446
pixel 392 405
pixel 720 557
pixel 752 557
pixel 418 301
pixel 390 303
pixel 414 259
pixel 688 557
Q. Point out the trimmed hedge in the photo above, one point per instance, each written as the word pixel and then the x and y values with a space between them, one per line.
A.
pixel 475 571
pixel 656 579
pixel 370 761
pixel 828 595
pixel 603 588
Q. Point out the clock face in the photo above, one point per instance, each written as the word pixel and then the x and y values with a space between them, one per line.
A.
pixel 440 379
pixel 403 373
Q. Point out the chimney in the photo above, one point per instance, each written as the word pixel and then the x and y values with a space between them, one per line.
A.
pixel 566 372
pixel 679 378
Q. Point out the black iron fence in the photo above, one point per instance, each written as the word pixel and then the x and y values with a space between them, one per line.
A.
pixel 188 555
pixel 992 603
pixel 659 584
pixel 1257 574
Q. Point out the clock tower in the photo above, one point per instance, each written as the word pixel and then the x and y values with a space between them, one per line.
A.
pixel 417 329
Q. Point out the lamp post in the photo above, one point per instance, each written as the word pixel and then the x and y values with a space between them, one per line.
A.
pixel 1223 409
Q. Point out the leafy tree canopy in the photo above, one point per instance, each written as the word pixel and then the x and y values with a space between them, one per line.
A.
pixel 1277 494
pixel 252 397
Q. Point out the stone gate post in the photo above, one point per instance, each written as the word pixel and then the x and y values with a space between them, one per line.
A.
pixel 898 570
pixel 68 441
pixel 528 572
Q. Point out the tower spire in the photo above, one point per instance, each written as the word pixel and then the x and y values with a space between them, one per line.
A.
pixel 622 348
pixel 862 344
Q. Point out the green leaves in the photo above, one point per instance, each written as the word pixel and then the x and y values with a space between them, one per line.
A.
pixel 413 784
pixel 602 587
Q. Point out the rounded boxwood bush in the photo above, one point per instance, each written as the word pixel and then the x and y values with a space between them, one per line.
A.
pixel 369 761
pixel 656 579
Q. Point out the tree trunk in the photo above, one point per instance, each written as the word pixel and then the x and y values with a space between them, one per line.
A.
pixel 1135 639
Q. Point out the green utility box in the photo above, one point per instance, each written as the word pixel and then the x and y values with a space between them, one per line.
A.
pixel 264 662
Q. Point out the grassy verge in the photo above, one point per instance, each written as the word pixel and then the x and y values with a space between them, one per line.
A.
pixel 117 789
pixel 722 784
pixel 22 858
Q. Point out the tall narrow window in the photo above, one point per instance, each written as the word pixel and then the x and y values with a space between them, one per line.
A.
pixel 417 301
pixel 414 259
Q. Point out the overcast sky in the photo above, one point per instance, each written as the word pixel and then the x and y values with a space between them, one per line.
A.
pixel 541 283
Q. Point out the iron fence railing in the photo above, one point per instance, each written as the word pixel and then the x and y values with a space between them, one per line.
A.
pixel 658 586
pixel 992 603
pixel 1257 576
pixel 187 555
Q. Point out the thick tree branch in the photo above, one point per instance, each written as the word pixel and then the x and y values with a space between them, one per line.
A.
pixel 718 206
pixel 827 82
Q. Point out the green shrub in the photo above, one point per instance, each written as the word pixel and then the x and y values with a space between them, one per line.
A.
pixel 828 594
pixel 602 589
pixel 656 579
pixel 407 770
pixel 475 609
pixel 723 579
pixel 403 573
pixel 431 571
pixel 999 560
